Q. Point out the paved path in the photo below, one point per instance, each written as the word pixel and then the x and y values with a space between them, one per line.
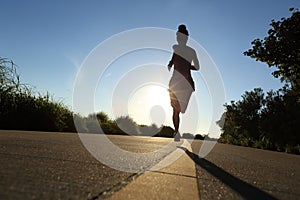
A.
pixel 175 181
pixel 234 172
pixel 39 165
pixel 42 165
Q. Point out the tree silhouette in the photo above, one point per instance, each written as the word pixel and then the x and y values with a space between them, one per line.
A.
pixel 281 48
pixel 271 121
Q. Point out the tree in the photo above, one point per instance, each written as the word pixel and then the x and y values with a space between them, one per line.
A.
pixel 102 117
pixel 281 48
pixel 149 130
pixel 127 125
pixel 165 131
pixel 242 121
pixel 270 122
pixel 280 121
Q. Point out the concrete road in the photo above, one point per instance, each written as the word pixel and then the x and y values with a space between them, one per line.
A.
pixel 234 172
pixel 42 165
pixel 39 165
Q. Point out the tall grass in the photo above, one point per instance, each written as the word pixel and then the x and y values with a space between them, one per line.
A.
pixel 21 108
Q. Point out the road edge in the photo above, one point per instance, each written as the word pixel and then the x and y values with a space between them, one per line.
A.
pixel 176 181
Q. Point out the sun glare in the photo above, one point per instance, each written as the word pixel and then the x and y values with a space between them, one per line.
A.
pixel 150 104
pixel 158 95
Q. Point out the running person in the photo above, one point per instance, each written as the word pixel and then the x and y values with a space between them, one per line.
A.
pixel 181 85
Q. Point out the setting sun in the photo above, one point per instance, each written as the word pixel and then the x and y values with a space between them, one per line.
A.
pixel 158 95
pixel 150 104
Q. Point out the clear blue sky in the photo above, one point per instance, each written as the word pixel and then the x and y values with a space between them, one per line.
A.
pixel 49 40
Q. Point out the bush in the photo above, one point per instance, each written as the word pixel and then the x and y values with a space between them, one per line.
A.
pixel 199 137
pixel 21 109
pixel 188 136
pixel 165 131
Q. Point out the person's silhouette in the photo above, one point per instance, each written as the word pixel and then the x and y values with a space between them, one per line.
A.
pixel 181 84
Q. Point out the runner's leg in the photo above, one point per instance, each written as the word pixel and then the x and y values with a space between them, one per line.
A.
pixel 176 120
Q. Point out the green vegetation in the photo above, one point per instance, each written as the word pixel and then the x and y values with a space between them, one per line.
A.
pixel 281 49
pixel 270 121
pixel 22 109
pixel 267 121
pixel 123 125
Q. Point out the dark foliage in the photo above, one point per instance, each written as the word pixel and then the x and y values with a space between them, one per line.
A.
pixel 271 121
pixel 188 136
pixel 21 109
pixel 165 131
pixel 281 49
pixel 199 137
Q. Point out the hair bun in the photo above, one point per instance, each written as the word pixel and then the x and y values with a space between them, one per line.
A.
pixel 182 29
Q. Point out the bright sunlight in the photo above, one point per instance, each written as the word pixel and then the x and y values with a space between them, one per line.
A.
pixel 150 104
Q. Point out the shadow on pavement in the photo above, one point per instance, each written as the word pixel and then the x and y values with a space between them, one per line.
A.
pixel 246 190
